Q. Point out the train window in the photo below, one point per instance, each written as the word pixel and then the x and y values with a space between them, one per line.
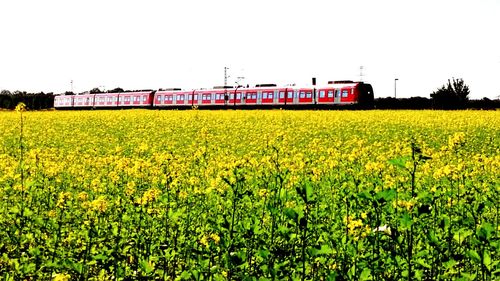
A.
pixel 308 95
pixel 321 94
pixel 264 95
pixel 271 95
pixel 302 95
pixel 345 93
pixel 282 95
pixel 195 97
pixel 290 95
pixel 254 96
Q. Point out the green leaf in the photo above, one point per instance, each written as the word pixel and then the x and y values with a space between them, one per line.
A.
pixel 405 220
pixel 309 193
pixel 185 275
pixel 423 263
pixel 467 276
pixel 385 196
pixel 365 195
pixel 145 266
pixel 15 210
pixel 365 274
pixel 264 253
pixel 460 235
pixel 434 241
pixel 485 231
pixel 400 162
pixel 487 260
pixel 29 268
pixel 473 255
pixel 325 249
pixel 99 257
pixel 291 214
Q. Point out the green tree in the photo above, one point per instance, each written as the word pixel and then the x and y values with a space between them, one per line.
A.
pixel 451 96
pixel 116 90
pixel 95 91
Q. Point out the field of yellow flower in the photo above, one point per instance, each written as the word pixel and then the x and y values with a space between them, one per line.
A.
pixel 249 195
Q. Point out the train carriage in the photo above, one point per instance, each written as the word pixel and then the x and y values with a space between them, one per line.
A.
pixel 84 101
pixel 135 99
pixel 173 97
pixel 106 100
pixel 63 101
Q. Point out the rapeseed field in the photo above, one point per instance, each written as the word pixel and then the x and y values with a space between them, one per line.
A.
pixel 249 195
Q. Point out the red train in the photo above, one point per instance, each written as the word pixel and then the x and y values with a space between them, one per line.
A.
pixel 264 95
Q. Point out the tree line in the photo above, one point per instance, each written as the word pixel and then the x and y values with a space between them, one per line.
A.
pixel 452 95
pixel 33 101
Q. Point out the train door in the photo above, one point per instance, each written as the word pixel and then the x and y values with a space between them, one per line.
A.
pixel 337 95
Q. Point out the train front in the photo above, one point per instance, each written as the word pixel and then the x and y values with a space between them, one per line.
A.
pixel 366 97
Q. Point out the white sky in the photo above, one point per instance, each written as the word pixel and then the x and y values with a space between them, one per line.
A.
pixel 151 44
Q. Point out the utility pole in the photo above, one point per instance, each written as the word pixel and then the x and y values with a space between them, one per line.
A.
pixel 226 97
pixel 225 75
pixel 395 80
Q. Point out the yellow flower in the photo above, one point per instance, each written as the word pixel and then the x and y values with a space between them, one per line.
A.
pixel 63 196
pixel 83 196
pixel 215 238
pixel 61 277
pixel 52 214
pixel 204 241
pixel 20 107
pixel 100 204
